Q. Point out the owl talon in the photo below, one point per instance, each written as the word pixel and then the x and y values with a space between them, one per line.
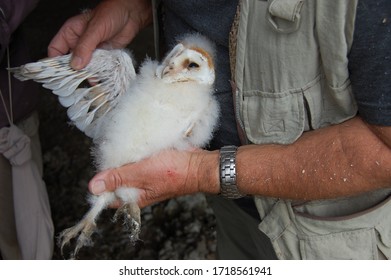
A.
pixel 82 231
pixel 134 228
pixel 131 219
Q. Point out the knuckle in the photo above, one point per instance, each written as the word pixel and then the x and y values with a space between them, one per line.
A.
pixel 115 180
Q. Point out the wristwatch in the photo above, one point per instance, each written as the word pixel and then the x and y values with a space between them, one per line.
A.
pixel 228 188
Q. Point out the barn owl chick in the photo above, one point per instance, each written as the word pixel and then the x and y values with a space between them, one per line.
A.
pixel 129 116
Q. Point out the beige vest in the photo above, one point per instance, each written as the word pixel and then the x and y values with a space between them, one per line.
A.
pixel 290 70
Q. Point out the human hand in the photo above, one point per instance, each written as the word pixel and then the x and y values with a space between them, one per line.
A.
pixel 168 174
pixel 112 23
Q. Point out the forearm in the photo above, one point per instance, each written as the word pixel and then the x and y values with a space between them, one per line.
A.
pixel 339 160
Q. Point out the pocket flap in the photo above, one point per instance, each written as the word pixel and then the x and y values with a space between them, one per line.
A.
pixel 284 15
pixel 286 9
pixel 273 117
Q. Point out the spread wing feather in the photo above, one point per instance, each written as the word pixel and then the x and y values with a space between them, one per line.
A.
pixel 89 93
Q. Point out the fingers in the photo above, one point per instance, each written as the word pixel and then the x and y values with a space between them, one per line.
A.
pixel 139 175
pixel 165 175
pixel 109 180
pixel 68 35
pixel 97 30
pixel 82 34
pixel 112 22
pixel 75 35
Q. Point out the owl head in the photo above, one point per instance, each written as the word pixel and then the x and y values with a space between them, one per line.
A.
pixel 191 60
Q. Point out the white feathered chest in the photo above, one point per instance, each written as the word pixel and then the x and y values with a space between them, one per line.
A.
pixel 168 105
pixel 156 115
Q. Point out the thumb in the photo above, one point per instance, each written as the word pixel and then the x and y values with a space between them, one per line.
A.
pixel 108 180
pixel 93 35
pixel 82 53
pixel 80 58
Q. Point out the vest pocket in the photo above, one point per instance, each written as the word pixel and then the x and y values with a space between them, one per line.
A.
pixel 358 235
pixel 273 117
pixel 284 15
pixel 354 244
pixel 298 233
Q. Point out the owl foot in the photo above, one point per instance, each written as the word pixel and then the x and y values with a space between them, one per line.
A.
pixel 130 213
pixel 87 226
pixel 82 231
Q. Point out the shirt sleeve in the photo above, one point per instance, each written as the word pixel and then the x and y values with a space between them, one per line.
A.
pixel 370 61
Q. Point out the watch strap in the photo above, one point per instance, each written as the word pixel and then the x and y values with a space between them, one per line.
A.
pixel 228 187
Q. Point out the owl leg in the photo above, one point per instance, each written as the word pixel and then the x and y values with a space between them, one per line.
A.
pixel 130 213
pixel 84 229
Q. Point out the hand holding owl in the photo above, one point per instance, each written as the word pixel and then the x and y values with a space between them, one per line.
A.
pixel 168 174
pixel 113 23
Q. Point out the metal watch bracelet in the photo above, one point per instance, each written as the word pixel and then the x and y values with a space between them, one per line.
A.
pixel 228 188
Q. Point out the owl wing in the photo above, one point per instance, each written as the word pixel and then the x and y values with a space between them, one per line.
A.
pixel 89 93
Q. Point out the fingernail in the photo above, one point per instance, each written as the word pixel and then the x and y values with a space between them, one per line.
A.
pixel 76 62
pixel 98 187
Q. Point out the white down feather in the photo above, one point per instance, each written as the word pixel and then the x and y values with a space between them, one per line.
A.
pixel 163 118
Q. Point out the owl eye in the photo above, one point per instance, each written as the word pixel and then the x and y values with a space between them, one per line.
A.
pixel 193 65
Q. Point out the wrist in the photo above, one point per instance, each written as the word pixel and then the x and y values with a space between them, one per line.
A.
pixel 208 180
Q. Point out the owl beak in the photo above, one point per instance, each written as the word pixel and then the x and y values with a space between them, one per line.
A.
pixel 165 68
pixel 177 50
pixel 162 71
